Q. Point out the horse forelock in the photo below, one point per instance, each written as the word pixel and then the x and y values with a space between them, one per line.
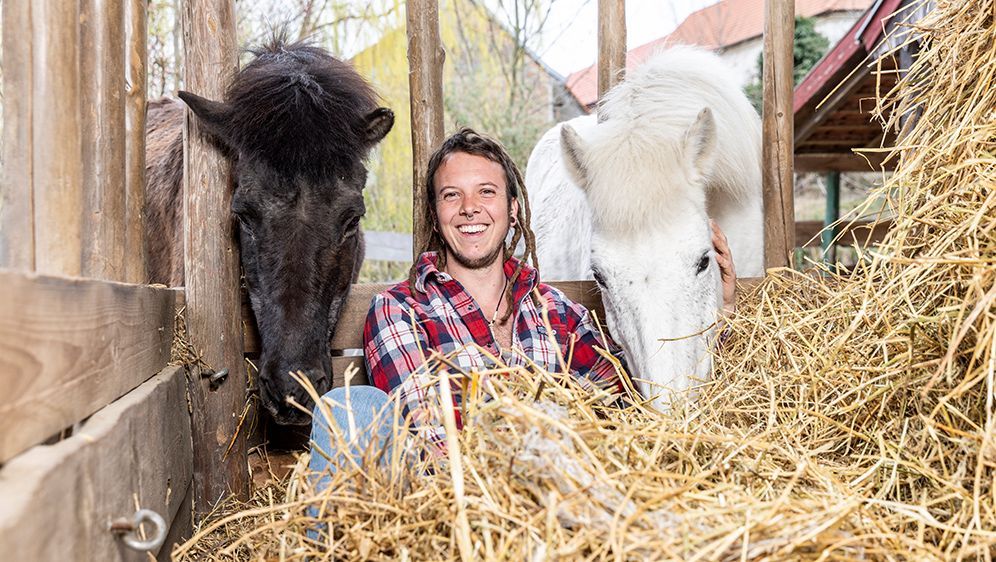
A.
pixel 638 177
pixel 299 109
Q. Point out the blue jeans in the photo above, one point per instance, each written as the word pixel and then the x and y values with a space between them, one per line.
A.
pixel 372 429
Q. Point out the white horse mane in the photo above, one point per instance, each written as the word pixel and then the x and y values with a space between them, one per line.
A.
pixel 644 139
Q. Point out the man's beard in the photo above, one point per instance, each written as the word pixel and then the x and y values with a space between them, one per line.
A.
pixel 478 263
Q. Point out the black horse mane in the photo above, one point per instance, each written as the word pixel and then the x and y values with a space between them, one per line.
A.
pixel 299 109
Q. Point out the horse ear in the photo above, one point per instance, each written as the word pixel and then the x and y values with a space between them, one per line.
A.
pixel 379 123
pixel 575 150
pixel 700 140
pixel 213 115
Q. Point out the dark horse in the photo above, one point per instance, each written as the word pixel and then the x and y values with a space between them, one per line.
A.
pixel 298 124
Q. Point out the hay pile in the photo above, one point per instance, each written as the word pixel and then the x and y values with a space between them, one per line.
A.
pixel 851 418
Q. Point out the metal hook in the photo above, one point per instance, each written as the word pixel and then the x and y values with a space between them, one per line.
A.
pixel 126 530
pixel 215 379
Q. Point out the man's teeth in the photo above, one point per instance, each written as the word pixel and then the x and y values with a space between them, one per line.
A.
pixel 472 228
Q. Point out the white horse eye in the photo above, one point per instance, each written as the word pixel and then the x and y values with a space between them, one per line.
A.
pixel 598 277
pixel 703 264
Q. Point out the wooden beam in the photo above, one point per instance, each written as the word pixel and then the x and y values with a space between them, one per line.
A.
pixel 211 263
pixel 611 44
pixel 17 241
pixel 58 500
pixel 777 117
pixel 857 234
pixel 425 82
pixel 102 69
pixel 68 347
pixel 57 170
pixel 844 162
pixel 349 332
pixel 136 55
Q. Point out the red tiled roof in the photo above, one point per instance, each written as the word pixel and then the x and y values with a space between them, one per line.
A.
pixel 721 25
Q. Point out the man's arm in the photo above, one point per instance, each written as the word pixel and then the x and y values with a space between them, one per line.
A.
pixel 585 360
pixel 395 351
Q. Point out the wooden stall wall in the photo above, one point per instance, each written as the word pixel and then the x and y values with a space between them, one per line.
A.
pixel 94 424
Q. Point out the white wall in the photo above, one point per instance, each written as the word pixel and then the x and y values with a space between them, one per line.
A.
pixel 743 56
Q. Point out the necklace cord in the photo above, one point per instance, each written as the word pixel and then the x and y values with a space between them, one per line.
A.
pixel 494 317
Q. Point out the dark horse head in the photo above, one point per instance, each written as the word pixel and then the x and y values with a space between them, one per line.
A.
pixel 300 124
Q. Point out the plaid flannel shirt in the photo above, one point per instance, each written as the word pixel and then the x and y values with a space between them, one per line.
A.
pixel 404 325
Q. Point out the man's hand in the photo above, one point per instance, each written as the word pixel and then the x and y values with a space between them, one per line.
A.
pixel 726 270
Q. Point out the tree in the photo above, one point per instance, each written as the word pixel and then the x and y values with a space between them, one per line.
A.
pixel 809 47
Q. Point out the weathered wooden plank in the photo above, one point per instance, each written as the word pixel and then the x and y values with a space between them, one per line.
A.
pixel 349 332
pixel 58 500
pixel 859 233
pixel 102 110
pixel 777 119
pixel 425 83
pixel 57 168
pixel 17 242
pixel 843 162
pixel 341 364
pixel 136 56
pixel 211 262
pixel 611 44
pixel 68 347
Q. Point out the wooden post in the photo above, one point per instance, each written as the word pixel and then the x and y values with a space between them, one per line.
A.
pixel 57 169
pixel 136 54
pixel 611 44
pixel 103 124
pixel 17 242
pixel 425 82
pixel 777 145
pixel 211 263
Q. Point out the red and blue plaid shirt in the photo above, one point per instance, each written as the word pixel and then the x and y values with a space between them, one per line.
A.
pixel 404 325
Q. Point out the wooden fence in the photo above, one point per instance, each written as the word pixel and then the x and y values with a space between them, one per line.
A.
pixel 94 423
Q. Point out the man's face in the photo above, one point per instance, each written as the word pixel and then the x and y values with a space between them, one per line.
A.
pixel 472 209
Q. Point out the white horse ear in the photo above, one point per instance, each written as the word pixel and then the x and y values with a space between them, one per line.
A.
pixel 575 150
pixel 700 141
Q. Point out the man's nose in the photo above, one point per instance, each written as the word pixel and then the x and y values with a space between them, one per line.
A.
pixel 470 207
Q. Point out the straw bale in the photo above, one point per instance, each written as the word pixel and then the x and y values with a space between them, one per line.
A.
pixel 851 416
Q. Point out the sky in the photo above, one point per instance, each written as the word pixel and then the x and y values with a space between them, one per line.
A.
pixel 570 40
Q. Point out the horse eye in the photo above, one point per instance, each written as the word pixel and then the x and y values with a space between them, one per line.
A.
pixel 599 280
pixel 703 264
pixel 351 227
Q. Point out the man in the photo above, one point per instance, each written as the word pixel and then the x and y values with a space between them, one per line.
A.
pixel 469 289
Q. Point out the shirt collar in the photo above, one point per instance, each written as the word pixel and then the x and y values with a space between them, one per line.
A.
pixel 425 270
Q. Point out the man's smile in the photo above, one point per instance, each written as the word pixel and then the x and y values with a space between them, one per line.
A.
pixel 472 229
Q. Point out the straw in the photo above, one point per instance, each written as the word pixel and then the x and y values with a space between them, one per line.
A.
pixel 851 415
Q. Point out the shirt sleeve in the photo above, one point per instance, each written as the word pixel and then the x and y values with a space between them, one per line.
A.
pixel 395 350
pixel 586 361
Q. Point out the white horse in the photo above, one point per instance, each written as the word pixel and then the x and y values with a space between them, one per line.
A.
pixel 628 201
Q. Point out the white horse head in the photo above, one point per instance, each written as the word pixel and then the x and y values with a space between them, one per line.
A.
pixel 680 144
pixel 650 194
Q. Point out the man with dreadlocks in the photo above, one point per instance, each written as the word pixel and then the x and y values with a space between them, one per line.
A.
pixel 469 299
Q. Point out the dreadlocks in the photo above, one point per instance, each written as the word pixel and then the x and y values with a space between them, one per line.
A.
pixel 468 141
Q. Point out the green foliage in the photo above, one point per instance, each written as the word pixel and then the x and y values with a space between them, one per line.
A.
pixel 490 83
pixel 809 48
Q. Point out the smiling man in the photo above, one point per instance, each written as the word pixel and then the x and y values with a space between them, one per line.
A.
pixel 469 299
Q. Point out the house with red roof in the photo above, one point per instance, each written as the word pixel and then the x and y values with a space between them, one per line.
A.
pixel 733 28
